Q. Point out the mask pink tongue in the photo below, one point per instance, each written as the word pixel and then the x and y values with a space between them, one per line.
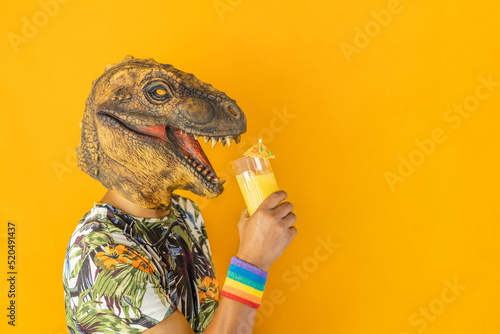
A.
pixel 190 146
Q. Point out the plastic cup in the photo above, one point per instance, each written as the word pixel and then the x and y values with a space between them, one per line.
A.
pixel 256 180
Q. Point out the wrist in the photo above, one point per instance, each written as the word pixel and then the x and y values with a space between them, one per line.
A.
pixel 244 283
pixel 253 260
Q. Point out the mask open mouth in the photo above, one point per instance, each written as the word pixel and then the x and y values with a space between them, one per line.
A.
pixel 186 146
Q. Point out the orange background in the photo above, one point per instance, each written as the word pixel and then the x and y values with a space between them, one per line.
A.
pixel 356 104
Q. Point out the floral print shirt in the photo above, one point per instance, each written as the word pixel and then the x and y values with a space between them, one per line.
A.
pixel 124 274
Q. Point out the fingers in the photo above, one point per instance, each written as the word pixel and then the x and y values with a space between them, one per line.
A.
pixel 289 220
pixel 272 200
pixel 283 209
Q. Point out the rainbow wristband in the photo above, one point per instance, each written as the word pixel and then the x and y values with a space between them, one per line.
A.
pixel 244 283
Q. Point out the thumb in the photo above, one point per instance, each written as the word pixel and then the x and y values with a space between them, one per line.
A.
pixel 243 219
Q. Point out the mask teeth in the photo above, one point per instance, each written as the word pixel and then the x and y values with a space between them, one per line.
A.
pixel 202 170
pixel 215 139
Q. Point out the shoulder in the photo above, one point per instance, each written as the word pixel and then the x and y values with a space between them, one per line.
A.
pixel 96 227
pixel 99 245
pixel 100 230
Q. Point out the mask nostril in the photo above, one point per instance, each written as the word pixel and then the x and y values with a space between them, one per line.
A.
pixel 231 109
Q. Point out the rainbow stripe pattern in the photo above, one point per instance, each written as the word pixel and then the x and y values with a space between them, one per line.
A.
pixel 244 283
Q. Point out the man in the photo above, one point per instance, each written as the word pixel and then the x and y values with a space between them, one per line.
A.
pixel 139 260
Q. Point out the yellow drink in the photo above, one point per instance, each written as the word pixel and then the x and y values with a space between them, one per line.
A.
pixel 256 187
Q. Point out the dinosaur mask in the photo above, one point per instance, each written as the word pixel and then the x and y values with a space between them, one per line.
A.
pixel 141 127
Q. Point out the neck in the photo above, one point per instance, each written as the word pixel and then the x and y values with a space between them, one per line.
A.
pixel 130 208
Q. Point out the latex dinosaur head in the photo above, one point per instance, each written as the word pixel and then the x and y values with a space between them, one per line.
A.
pixel 140 129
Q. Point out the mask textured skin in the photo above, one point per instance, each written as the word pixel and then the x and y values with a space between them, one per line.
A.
pixel 140 129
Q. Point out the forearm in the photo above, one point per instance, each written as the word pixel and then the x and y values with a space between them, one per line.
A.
pixel 242 293
pixel 264 237
pixel 232 317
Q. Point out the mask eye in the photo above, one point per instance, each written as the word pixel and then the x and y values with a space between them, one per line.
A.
pixel 158 92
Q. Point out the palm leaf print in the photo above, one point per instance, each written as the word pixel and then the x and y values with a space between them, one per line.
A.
pixel 124 274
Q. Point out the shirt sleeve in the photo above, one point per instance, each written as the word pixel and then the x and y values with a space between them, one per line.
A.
pixel 114 288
